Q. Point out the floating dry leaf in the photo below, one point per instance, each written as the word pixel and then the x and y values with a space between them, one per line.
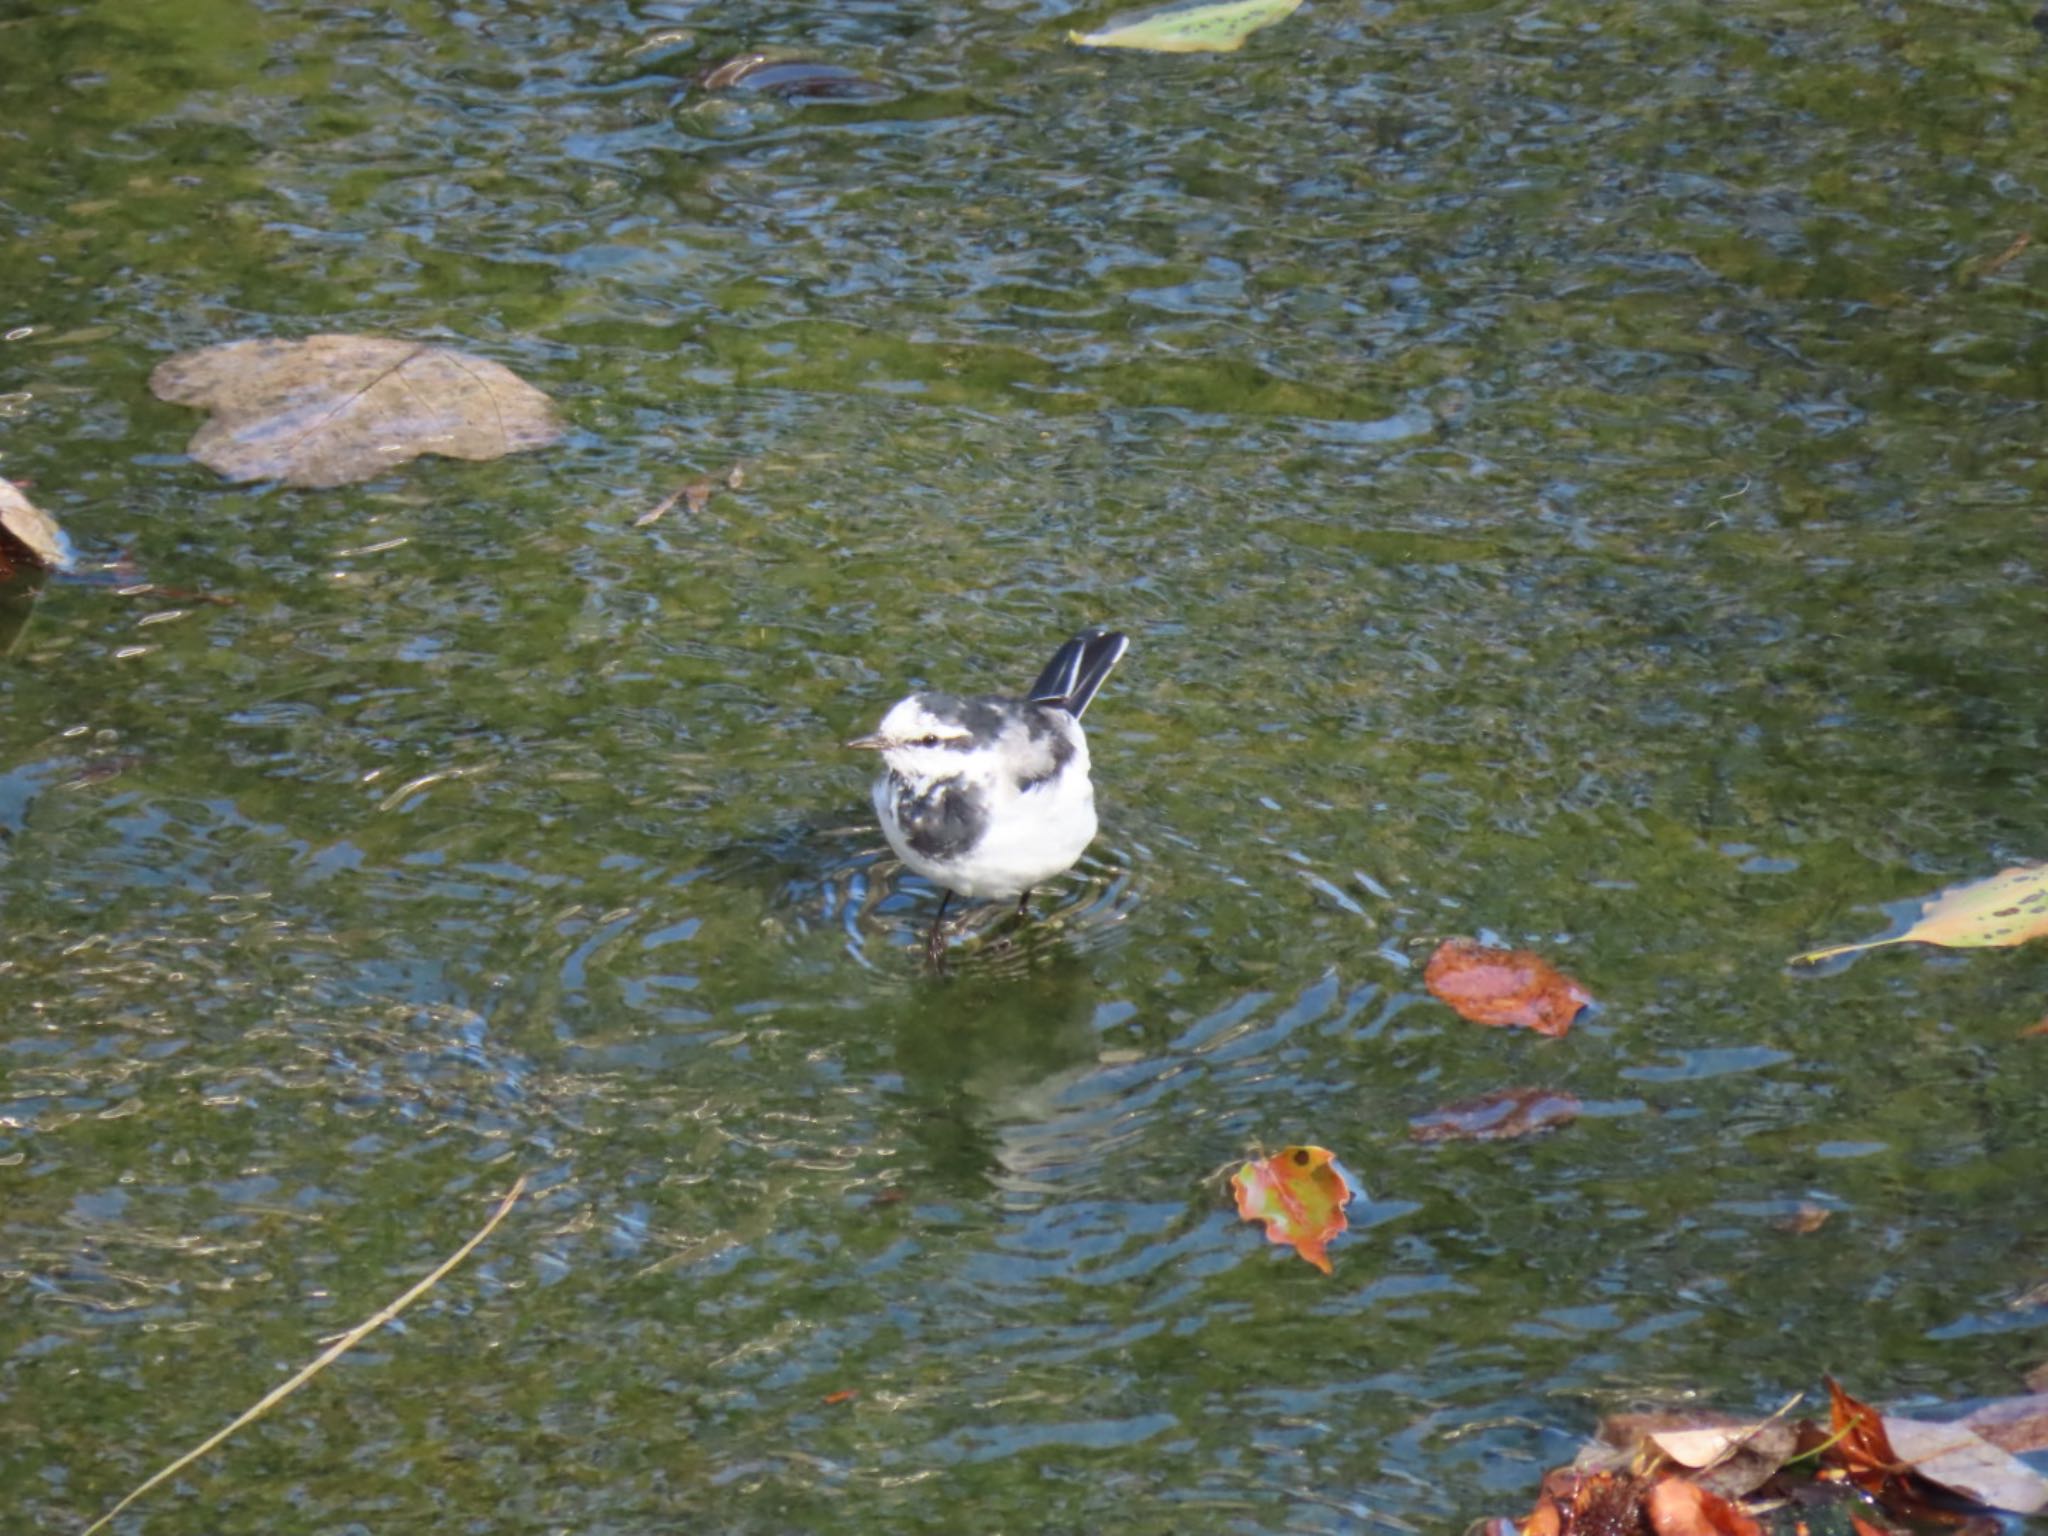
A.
pixel 1498 1116
pixel 1300 1194
pixel 2008 908
pixel 331 410
pixel 1207 27
pixel 1504 986
pixel 29 536
pixel 1962 1461
pixel 1721 1453
pixel 1710 1446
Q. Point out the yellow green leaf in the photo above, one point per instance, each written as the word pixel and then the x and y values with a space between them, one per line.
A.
pixel 1212 28
pixel 2009 908
pixel 1300 1194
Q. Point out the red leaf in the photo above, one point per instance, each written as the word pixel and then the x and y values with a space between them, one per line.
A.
pixel 1504 986
pixel 1860 1449
pixel 1497 1116
pixel 1680 1508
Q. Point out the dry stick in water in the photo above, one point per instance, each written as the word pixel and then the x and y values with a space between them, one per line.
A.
pixel 333 1352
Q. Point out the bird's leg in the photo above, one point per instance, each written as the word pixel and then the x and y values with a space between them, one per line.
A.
pixel 1024 905
pixel 935 941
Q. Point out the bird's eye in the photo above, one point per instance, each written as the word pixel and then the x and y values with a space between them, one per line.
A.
pixel 928 741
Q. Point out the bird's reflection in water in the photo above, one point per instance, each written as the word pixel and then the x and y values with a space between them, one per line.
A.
pixel 982 1053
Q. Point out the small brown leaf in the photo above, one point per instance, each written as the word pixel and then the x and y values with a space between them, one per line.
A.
pixel 331 410
pixel 2035 1030
pixel 1504 986
pixel 843 1395
pixel 1807 1218
pixel 1498 1116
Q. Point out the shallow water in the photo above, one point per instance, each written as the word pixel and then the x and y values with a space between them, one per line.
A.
pixel 1572 474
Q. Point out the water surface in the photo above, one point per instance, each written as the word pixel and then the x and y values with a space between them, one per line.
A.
pixel 1573 474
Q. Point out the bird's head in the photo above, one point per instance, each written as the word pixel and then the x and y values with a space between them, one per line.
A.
pixel 923 737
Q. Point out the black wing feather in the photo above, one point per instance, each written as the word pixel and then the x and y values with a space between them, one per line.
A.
pixel 1077 669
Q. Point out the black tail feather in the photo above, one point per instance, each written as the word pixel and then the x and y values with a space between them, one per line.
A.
pixel 1077 669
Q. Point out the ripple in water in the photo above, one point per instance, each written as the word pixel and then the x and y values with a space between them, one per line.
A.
pixel 884 911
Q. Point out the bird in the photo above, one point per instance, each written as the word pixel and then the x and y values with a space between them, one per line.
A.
pixel 989 796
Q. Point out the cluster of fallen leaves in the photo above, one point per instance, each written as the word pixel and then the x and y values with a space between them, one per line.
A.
pixel 1709 1474
pixel 1300 1193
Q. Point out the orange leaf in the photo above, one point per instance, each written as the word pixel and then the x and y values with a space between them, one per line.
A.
pixel 1504 986
pixel 1860 1448
pixel 1679 1508
pixel 2035 1029
pixel 1300 1194
pixel 843 1395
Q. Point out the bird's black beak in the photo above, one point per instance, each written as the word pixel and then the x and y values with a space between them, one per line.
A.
pixel 868 743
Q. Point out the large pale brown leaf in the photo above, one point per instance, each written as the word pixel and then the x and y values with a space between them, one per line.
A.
pixel 2016 1424
pixel 330 410
pixel 1962 1461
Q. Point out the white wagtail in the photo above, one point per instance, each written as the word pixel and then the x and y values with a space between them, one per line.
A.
pixel 988 797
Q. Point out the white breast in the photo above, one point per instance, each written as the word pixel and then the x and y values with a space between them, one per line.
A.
pixel 1032 834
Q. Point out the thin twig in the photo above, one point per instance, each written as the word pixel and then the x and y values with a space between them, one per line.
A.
pixel 696 496
pixel 661 508
pixel 328 1356
pixel 2005 257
